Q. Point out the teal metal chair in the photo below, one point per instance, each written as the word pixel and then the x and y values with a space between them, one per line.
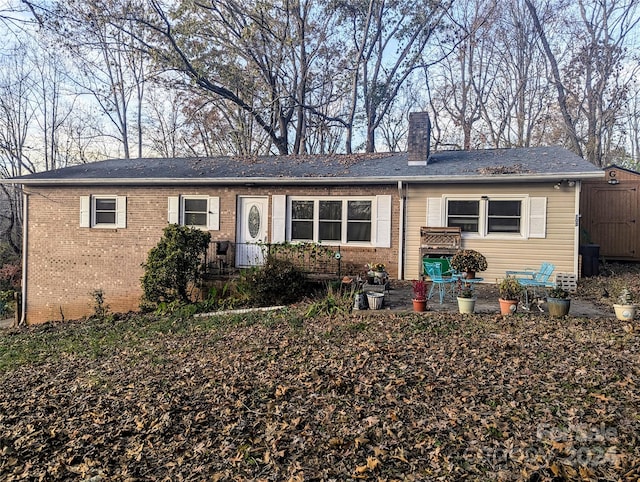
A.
pixel 433 269
pixel 534 280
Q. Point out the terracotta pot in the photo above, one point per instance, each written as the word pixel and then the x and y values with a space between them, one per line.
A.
pixel 508 307
pixel 468 274
pixel 558 307
pixel 419 305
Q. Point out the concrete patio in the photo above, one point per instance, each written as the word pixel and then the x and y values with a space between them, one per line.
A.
pixel 400 294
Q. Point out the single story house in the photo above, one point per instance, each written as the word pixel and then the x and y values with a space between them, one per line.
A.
pixel 91 226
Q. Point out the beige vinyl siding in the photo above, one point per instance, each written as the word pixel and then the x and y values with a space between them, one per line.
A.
pixel 557 247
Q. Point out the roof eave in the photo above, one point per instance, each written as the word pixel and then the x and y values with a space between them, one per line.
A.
pixel 500 178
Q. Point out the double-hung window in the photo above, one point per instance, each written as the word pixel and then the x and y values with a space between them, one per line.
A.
pixel 464 214
pixel 490 215
pixel 103 211
pixel 332 220
pixel 198 211
pixel 504 217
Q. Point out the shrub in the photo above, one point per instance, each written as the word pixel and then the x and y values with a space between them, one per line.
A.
pixel 100 308
pixel 278 282
pixel 468 260
pixel 332 303
pixel 558 293
pixel 174 266
pixel 510 288
pixel 10 276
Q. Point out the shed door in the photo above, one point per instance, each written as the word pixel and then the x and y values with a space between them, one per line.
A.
pixel 614 227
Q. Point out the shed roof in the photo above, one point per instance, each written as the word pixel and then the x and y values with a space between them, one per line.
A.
pixel 523 164
pixel 621 168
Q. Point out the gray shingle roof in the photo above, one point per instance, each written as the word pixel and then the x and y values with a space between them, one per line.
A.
pixel 458 166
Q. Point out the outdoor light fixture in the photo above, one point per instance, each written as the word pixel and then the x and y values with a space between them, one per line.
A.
pixel 613 181
pixel 561 182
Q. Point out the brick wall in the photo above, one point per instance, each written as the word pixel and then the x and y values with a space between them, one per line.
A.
pixel 66 263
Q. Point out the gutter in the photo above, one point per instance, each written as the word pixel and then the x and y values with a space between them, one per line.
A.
pixel 25 233
pixel 248 181
pixel 401 232
pixel 576 233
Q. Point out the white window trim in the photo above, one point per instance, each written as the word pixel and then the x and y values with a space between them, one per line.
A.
pixel 376 224
pixel 88 212
pixel 525 215
pixel 175 210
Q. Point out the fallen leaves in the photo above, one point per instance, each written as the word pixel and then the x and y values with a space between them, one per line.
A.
pixel 434 397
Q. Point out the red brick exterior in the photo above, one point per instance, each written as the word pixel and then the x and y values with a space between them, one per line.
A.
pixel 66 263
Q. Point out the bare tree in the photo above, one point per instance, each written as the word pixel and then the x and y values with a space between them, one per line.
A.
pixel 592 84
pixel 464 80
pixel 256 57
pixel 112 70
pixel 517 109
pixel 389 40
pixel 17 112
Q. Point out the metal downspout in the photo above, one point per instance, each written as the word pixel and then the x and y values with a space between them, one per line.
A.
pixel 25 210
pixel 576 236
pixel 401 232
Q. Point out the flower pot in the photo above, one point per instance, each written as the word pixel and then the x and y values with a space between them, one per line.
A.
pixel 466 305
pixel 359 301
pixel 508 307
pixel 468 274
pixel 419 305
pixel 558 307
pixel 625 312
pixel 375 300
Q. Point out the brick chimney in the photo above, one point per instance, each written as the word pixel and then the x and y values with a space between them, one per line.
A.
pixel 419 140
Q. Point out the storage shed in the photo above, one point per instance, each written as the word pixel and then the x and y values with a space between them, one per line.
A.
pixel 610 213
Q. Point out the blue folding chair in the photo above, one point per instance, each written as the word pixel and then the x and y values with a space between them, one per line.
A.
pixel 433 269
pixel 536 280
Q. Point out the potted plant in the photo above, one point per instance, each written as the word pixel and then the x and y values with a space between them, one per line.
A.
pixel 359 300
pixel 466 301
pixel 509 290
pixel 376 273
pixel 419 295
pixel 558 302
pixel 468 262
pixel 625 308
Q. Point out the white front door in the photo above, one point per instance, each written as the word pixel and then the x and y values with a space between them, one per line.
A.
pixel 252 230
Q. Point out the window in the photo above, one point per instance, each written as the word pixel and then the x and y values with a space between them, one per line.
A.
pixel 197 211
pixel 489 216
pixel 485 216
pixel 359 221
pixel 341 221
pixel 330 221
pixel 103 211
pixel 504 216
pixel 464 214
pixel 302 220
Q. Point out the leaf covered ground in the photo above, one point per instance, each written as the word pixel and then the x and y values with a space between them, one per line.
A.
pixel 275 396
